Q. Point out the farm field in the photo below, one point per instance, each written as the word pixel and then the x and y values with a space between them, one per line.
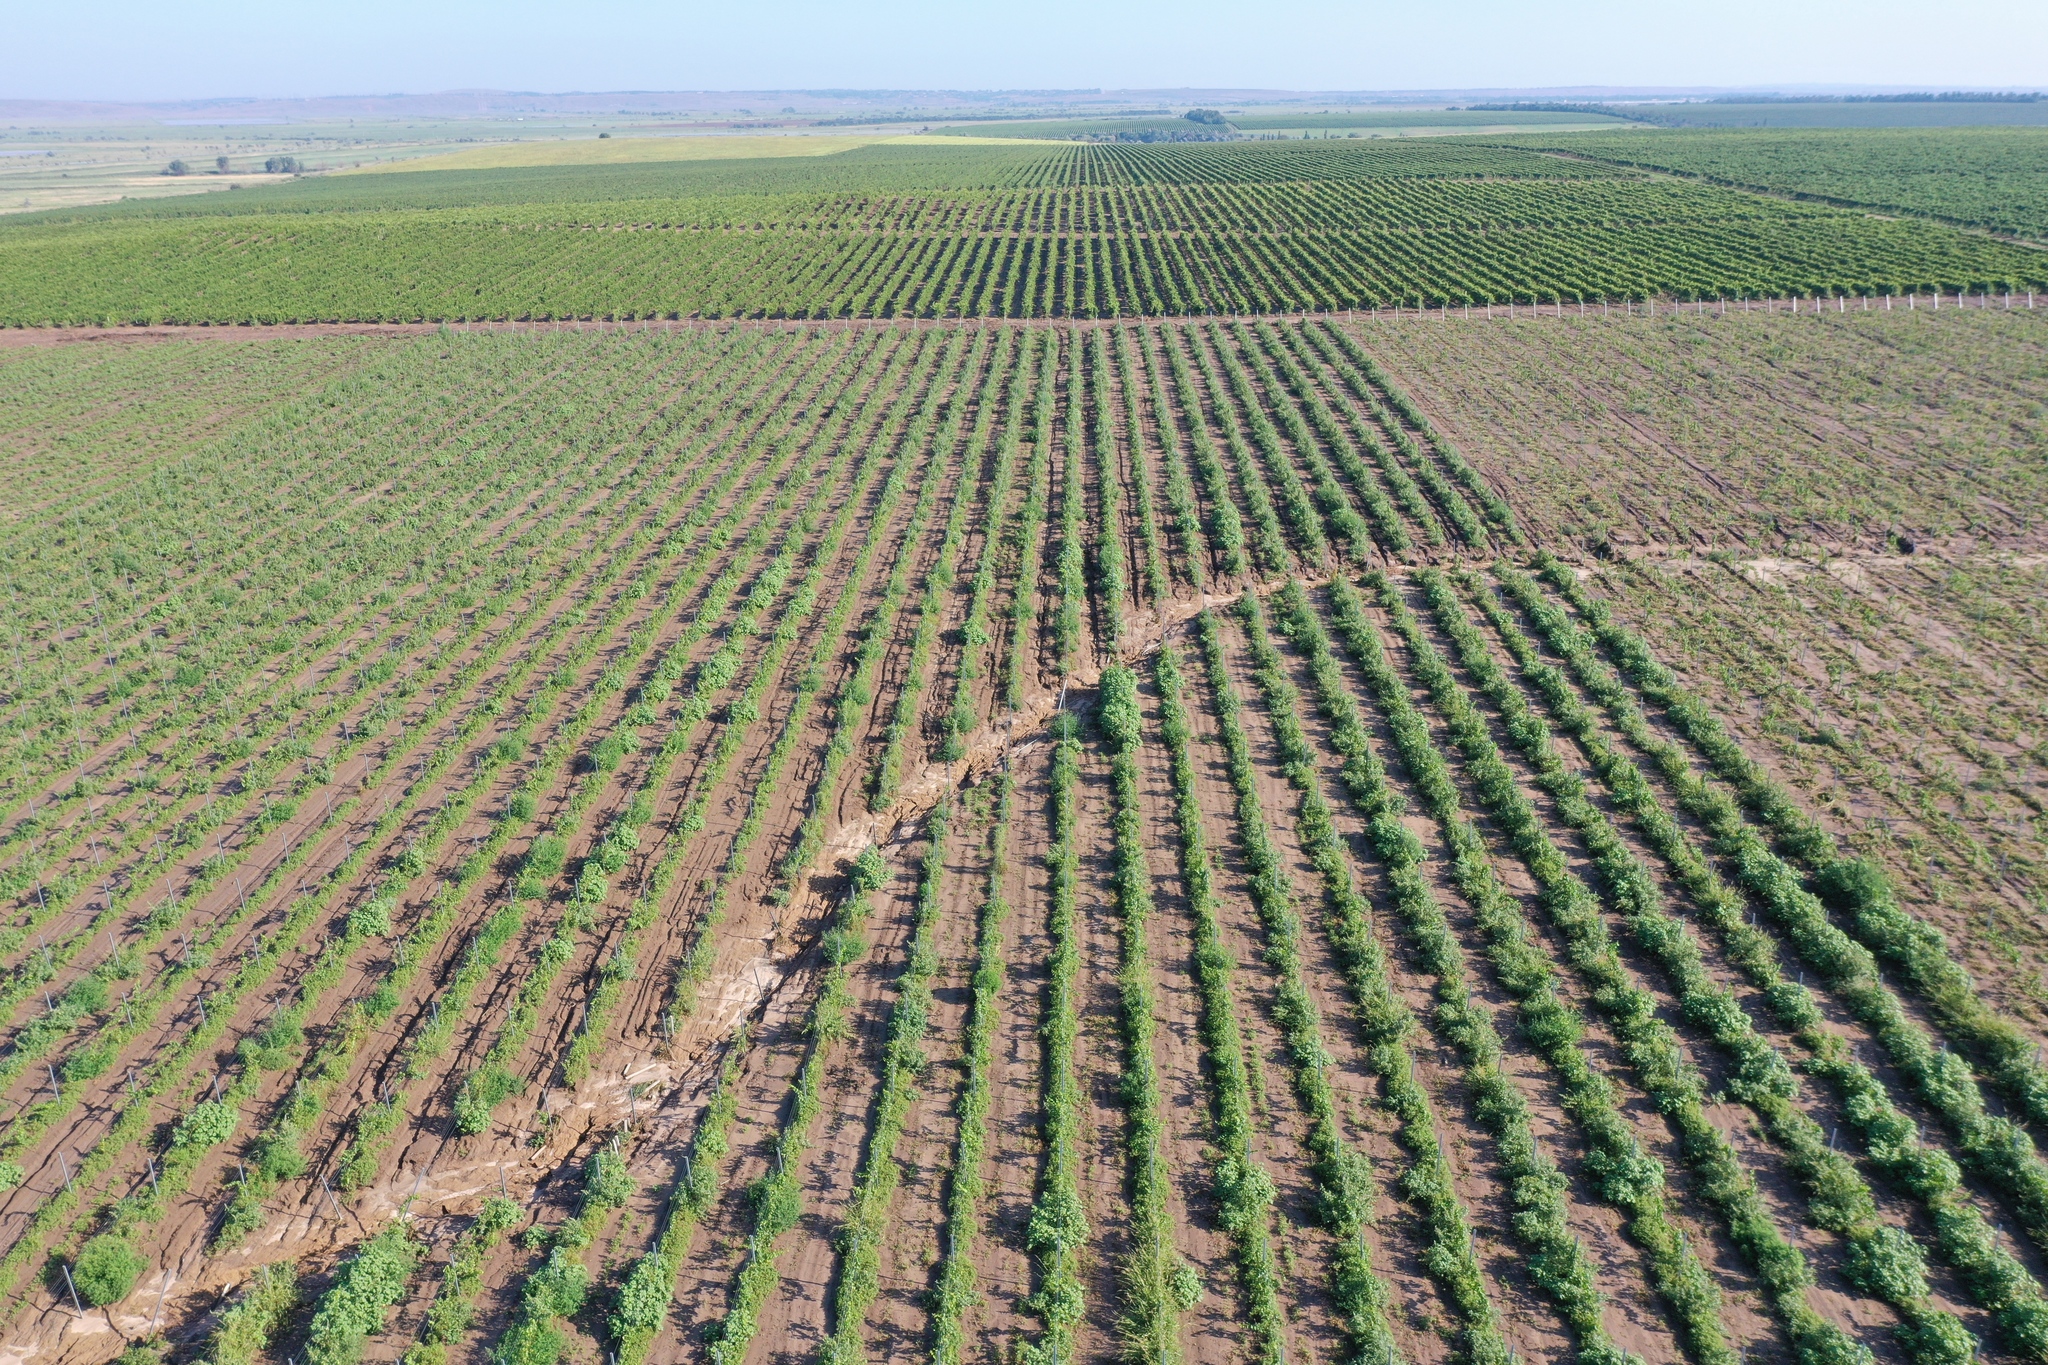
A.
pixel 1206 839
pixel 1981 177
pixel 929 231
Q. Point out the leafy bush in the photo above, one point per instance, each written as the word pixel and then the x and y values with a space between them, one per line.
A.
pixel 371 919
pixel 209 1124
pixel 278 1157
pixel 251 1323
pixel 87 995
pixel 107 1269
pixel 870 870
pixel 643 1301
pixel 89 1061
pixel 1122 722
pixel 1888 1264
pixel 546 855
pixel 364 1289
pixel 606 1182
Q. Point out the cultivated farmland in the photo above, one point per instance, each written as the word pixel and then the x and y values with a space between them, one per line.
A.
pixel 1201 839
pixel 1026 232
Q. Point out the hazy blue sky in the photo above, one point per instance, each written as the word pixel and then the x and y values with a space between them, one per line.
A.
pixel 159 49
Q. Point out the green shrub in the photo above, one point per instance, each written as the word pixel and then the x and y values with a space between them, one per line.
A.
pixel 371 919
pixel 364 1289
pixel 643 1301
pixel 87 995
pixel 251 1323
pixel 278 1157
pixel 558 1288
pixel 532 1342
pixel 606 1182
pixel 1122 722
pixel 546 855
pixel 107 1269
pixel 870 870
pixel 208 1125
pixel 271 1048
pixel 1888 1264
pixel 89 1061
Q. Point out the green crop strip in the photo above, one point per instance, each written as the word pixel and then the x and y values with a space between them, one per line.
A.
pixel 1031 546
pixel 1268 549
pixel 1385 1021
pixel 1346 528
pixel 778 1196
pixel 904 716
pixel 1142 498
pixel 860 1242
pixel 1388 528
pixel 1649 1044
pixel 1391 471
pixel 277 1150
pixel 285 1027
pixel 1272 467
pixel 641 1309
pixel 1996 1149
pixel 189 830
pixel 249 1325
pixel 1992 1276
pixel 2005 1056
pixel 976 637
pixel 1361 1297
pixel 1071 565
pixel 213 1122
pixel 850 710
pixel 1361 366
pixel 956 1290
pixel 1058 1230
pixel 454 1306
pixel 716 674
pixel 1883 1261
pixel 1108 231
pixel 1157 1285
pixel 1226 527
pixel 1111 550
pixel 1179 489
pixel 493 1081
pixel 1536 1190
pixel 1252 479
pixel 1244 1191
pixel 364 1290
pixel 1621 1172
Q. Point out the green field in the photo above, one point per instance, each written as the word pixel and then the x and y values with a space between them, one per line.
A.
pixel 1448 119
pixel 923 231
pixel 1993 178
pixel 1845 114
pixel 1256 834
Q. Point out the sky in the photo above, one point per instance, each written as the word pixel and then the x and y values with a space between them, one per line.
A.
pixel 153 50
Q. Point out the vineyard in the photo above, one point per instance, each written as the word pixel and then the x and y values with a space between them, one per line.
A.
pixel 1088 231
pixel 1991 178
pixel 1211 840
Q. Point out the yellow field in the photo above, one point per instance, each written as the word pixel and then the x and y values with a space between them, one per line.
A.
pixel 592 151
